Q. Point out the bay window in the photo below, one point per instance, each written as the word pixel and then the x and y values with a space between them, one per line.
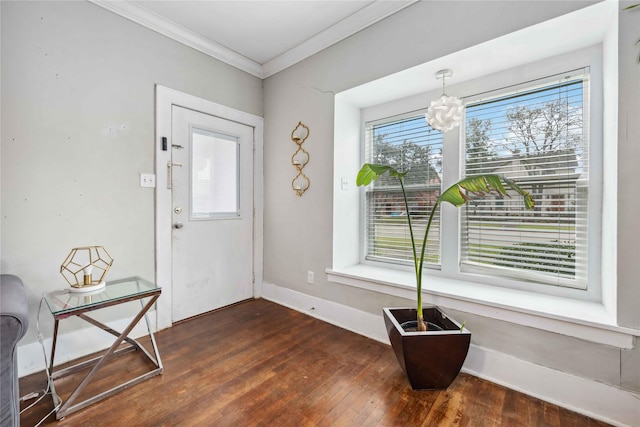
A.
pixel 536 133
pixel 541 108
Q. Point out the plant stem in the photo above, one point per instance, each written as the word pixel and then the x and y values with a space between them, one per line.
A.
pixel 421 323
pixel 418 263
pixel 413 242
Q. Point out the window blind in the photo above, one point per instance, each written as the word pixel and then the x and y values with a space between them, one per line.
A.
pixel 407 144
pixel 539 138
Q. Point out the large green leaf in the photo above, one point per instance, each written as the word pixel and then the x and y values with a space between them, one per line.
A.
pixel 479 186
pixel 370 172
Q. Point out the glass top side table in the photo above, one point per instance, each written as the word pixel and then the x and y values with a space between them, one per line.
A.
pixel 64 304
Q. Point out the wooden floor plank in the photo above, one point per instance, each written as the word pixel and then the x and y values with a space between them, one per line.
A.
pixel 513 409
pixel 261 364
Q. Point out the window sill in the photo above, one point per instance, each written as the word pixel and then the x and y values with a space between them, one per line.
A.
pixel 585 320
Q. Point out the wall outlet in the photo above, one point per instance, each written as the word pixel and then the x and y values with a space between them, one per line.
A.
pixel 310 277
pixel 147 180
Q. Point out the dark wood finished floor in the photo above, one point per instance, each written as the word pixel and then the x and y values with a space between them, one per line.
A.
pixel 261 364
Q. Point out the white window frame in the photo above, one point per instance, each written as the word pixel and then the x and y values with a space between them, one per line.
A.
pixel 453 159
pixel 590 320
pixel 592 115
pixel 366 136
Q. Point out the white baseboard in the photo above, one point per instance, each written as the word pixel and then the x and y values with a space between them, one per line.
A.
pixel 360 322
pixel 600 401
pixel 596 400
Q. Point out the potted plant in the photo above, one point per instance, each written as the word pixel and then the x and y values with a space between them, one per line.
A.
pixel 430 346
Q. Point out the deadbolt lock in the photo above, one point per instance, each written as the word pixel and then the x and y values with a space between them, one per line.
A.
pixel 177 210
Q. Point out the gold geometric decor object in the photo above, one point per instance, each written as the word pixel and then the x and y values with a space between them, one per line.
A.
pixel 83 264
pixel 300 158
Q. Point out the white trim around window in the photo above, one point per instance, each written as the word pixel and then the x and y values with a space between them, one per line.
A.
pixel 580 319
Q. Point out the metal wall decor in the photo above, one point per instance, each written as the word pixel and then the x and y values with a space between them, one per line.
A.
pixel 300 158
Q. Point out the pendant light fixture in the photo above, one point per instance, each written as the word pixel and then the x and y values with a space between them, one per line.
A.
pixel 445 112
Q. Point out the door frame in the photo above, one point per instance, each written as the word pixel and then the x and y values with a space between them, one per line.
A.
pixel 166 98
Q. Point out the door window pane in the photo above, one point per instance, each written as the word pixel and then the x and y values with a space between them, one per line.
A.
pixel 214 175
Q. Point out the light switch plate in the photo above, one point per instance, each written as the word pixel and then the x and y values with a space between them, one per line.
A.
pixel 345 184
pixel 147 180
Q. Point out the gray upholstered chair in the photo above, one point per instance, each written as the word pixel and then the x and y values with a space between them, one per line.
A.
pixel 14 321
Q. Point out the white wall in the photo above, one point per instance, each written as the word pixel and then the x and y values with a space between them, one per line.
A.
pixel 628 204
pixel 298 230
pixel 628 155
pixel 78 85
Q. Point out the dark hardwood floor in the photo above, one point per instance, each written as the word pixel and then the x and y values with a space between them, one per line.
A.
pixel 261 364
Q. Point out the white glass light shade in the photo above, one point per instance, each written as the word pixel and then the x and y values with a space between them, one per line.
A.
pixel 444 113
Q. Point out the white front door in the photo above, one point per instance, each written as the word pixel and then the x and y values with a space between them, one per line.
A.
pixel 213 220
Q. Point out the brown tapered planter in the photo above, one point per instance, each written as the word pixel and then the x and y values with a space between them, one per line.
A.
pixel 431 360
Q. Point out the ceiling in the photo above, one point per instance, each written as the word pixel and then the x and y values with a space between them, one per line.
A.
pixel 260 37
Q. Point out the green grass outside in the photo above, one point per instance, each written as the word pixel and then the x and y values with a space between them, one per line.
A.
pixel 541 227
pixel 387 246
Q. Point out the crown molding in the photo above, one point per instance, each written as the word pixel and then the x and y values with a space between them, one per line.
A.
pixel 352 24
pixel 358 21
pixel 157 23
